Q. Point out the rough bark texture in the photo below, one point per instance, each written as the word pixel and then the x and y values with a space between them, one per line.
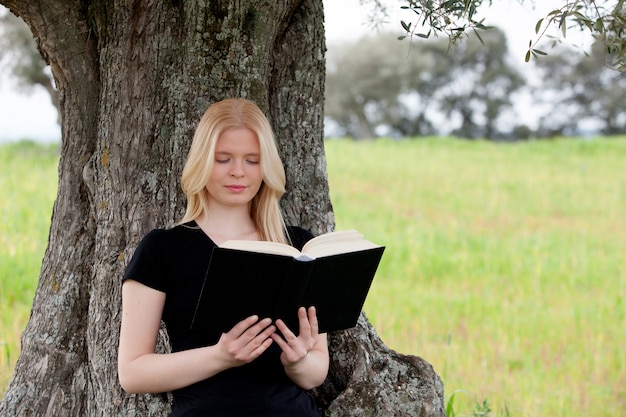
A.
pixel 134 78
pixel 368 379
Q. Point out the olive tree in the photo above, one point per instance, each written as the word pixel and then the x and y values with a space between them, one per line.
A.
pixel 133 79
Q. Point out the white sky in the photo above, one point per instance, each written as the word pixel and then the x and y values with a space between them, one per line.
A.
pixel 32 116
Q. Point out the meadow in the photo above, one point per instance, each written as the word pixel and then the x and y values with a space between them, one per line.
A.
pixel 505 265
pixel 28 185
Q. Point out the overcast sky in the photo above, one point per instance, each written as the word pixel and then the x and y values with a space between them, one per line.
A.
pixel 32 116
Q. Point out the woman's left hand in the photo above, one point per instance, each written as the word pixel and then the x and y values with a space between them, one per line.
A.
pixel 295 348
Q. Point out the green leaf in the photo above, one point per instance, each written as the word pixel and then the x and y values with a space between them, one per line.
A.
pixel 599 25
pixel 563 24
pixel 527 56
pixel 400 38
pixel 538 25
pixel 539 52
pixel 478 36
pixel 405 26
pixel 450 407
pixel 483 27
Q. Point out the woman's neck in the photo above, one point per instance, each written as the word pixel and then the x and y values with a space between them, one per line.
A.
pixel 223 225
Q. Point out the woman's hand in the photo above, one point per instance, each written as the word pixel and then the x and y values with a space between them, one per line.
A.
pixel 296 348
pixel 304 357
pixel 246 341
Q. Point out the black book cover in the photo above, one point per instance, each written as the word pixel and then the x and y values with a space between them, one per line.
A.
pixel 239 284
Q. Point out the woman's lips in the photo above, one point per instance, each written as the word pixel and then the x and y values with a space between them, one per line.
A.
pixel 236 188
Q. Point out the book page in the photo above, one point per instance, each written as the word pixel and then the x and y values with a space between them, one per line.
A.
pixel 335 248
pixel 261 246
pixel 337 236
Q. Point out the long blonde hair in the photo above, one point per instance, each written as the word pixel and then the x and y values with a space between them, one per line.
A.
pixel 264 207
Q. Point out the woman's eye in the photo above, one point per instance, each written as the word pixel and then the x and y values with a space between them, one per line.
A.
pixel 252 161
pixel 221 161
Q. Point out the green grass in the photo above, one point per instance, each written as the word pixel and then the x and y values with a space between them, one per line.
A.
pixel 505 264
pixel 28 184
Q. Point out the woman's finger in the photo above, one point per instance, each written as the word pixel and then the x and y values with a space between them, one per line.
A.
pixel 250 326
pixel 286 331
pixel 303 321
pixel 313 321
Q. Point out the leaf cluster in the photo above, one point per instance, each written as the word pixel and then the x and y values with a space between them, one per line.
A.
pixel 605 20
pixel 453 18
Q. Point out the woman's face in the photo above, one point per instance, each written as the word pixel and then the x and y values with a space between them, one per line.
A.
pixel 236 176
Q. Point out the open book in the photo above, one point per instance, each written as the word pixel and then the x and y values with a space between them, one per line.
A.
pixel 331 243
pixel 333 272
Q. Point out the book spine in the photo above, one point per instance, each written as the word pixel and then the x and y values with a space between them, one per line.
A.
pixel 292 293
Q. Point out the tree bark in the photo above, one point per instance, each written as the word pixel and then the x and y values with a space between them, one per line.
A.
pixel 134 77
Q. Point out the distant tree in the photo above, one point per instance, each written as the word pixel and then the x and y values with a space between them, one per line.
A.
pixel 378 82
pixel 19 53
pixel 521 131
pixel 481 85
pixel 363 83
pixel 585 93
pixel 428 76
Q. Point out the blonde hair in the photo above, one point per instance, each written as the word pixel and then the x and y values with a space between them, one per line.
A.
pixel 264 207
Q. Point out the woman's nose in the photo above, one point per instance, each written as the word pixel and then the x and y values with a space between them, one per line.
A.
pixel 237 169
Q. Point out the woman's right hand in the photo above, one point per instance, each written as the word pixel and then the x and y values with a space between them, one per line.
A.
pixel 246 341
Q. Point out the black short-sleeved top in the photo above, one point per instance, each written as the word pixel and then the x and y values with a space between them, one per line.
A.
pixel 174 261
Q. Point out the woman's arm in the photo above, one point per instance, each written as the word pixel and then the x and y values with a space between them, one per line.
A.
pixel 305 357
pixel 142 370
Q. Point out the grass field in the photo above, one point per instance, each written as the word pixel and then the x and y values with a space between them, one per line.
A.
pixel 28 184
pixel 505 264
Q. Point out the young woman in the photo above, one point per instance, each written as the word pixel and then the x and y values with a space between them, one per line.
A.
pixel 233 180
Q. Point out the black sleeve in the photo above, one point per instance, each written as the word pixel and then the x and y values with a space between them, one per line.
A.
pixel 147 265
pixel 298 236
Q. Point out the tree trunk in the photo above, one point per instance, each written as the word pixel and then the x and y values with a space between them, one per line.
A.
pixel 134 79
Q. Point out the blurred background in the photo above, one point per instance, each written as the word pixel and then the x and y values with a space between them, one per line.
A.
pixel 380 86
